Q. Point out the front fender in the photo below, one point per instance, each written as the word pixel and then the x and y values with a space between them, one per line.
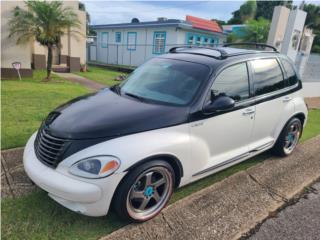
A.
pixel 131 149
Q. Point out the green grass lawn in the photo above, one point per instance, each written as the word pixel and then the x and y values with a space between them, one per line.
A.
pixel 26 103
pixel 101 75
pixel 36 216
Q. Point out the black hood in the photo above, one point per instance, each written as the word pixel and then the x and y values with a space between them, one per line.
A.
pixel 107 114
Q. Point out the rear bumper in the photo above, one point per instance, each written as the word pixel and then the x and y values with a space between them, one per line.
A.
pixel 90 197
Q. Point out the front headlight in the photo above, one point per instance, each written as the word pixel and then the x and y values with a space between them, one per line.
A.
pixel 95 167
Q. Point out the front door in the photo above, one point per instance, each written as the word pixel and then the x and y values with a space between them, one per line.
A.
pixel 223 138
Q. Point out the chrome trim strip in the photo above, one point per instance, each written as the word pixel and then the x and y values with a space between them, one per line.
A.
pixel 262 147
pixel 221 164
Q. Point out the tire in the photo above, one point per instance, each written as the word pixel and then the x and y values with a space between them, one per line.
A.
pixel 144 191
pixel 288 139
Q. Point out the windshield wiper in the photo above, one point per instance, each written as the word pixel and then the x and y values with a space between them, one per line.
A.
pixel 135 96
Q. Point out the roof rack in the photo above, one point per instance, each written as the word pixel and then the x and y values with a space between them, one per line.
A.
pixel 251 44
pixel 223 54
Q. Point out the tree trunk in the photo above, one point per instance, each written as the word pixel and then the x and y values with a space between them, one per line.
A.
pixel 49 62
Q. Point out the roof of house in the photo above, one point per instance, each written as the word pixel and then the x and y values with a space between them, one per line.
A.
pixel 203 24
pixel 190 23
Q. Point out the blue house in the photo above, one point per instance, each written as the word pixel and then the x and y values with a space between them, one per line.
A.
pixel 135 42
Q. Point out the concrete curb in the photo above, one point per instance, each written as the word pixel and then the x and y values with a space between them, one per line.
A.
pixel 14 181
pixel 230 208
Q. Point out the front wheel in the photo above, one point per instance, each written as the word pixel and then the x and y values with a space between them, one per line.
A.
pixel 145 191
pixel 288 138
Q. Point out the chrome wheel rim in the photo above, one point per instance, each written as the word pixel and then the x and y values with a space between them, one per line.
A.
pixel 292 137
pixel 150 193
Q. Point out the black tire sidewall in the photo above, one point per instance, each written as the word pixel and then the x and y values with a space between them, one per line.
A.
pixel 119 202
pixel 279 146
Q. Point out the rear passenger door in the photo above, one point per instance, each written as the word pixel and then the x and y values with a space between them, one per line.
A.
pixel 273 105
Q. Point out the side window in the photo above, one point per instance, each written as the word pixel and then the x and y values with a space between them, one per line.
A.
pixel 232 82
pixel 291 74
pixel 267 76
pixel 118 37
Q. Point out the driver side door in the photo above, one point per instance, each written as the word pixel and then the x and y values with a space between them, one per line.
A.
pixel 222 138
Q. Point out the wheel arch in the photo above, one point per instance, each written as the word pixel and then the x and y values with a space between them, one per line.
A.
pixel 171 159
pixel 300 115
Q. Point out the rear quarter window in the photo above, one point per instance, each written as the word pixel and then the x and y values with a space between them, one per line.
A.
pixel 292 77
pixel 268 76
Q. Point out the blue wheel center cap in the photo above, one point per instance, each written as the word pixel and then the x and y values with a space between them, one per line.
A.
pixel 149 191
pixel 290 137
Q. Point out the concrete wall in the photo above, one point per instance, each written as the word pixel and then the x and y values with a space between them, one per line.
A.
pixel 278 26
pixel 77 41
pixel 10 51
pixel 118 53
pixel 293 33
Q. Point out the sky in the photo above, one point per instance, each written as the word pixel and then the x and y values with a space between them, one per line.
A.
pixel 107 12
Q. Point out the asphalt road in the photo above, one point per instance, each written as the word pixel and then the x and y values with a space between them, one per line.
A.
pixel 298 221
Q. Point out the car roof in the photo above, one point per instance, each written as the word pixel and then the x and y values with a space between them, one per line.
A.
pixel 216 56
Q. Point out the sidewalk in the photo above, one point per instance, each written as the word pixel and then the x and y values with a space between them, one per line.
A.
pixel 230 208
pixel 81 80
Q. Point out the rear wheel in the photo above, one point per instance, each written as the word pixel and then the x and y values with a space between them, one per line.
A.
pixel 145 191
pixel 288 138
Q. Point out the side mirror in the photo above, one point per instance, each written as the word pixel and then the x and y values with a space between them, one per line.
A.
pixel 220 103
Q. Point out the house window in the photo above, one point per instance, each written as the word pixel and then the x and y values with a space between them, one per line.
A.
pixel 118 37
pixel 190 39
pixel 205 41
pixel 198 42
pixel 211 42
pixel 159 42
pixel 104 39
pixel 132 41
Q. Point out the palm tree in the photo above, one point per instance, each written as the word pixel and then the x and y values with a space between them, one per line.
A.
pixel 45 22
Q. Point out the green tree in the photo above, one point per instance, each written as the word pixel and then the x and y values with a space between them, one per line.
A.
pixel 44 22
pixel 313 16
pixel 236 19
pixel 256 31
pixel 313 21
pixel 247 11
pixel 265 8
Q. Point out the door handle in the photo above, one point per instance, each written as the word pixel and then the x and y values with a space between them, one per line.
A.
pixel 287 99
pixel 248 111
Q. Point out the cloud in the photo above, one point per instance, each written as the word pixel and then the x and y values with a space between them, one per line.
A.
pixel 123 11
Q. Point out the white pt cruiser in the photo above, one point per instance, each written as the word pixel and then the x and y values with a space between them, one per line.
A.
pixel 177 118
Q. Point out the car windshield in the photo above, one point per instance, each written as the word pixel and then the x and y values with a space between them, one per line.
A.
pixel 166 81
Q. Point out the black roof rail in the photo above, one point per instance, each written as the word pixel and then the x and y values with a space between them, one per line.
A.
pixel 223 54
pixel 250 44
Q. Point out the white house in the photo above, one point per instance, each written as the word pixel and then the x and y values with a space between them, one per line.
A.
pixel 133 43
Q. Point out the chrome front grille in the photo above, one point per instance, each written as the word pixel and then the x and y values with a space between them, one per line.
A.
pixel 48 148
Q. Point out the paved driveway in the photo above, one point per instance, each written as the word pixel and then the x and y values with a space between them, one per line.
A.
pixel 308 67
